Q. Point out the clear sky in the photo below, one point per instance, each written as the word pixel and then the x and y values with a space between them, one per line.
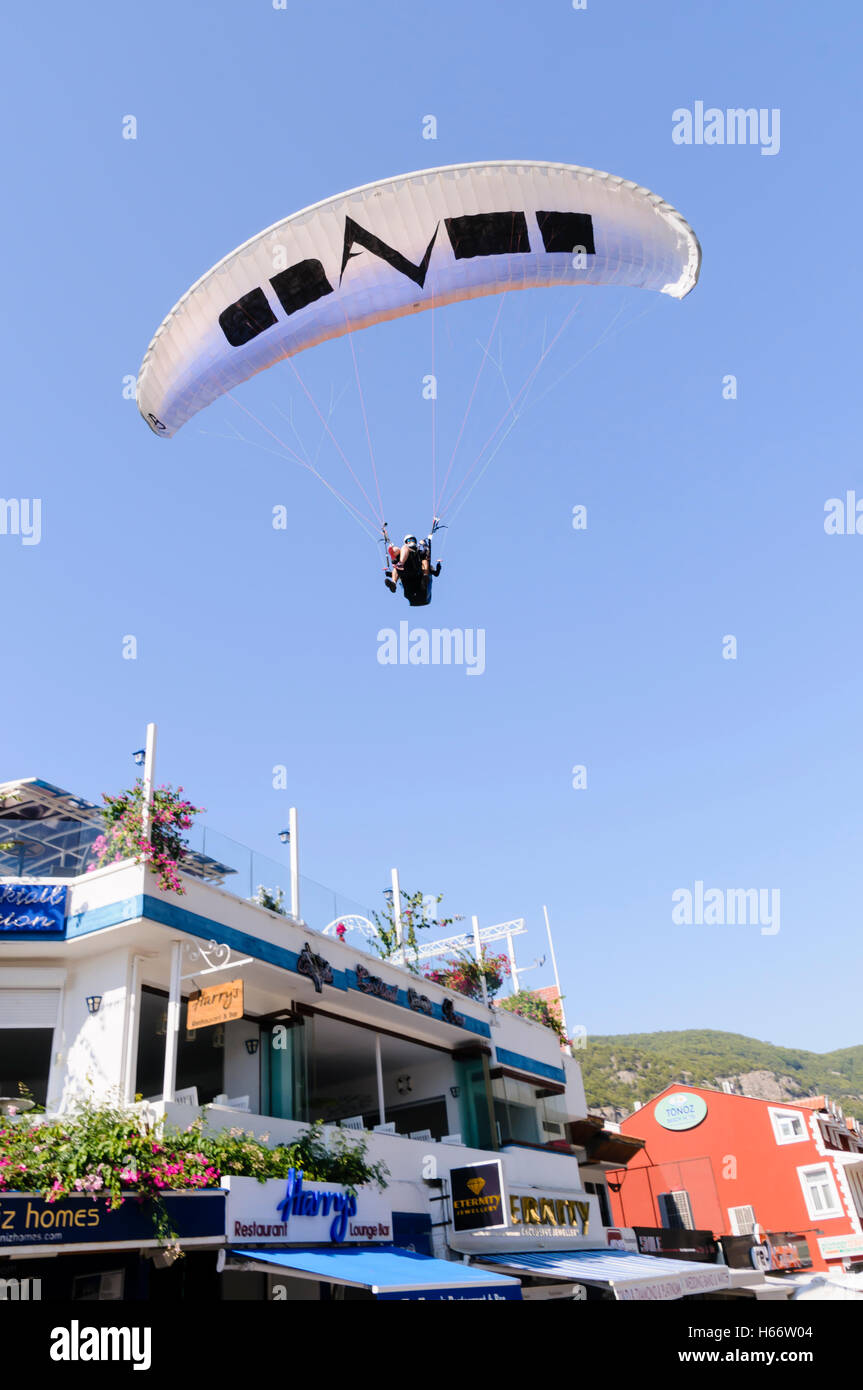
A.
pixel 604 647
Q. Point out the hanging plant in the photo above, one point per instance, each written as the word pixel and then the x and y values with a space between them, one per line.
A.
pixel 113 1154
pixel 163 848
pixel 465 974
pixel 534 1007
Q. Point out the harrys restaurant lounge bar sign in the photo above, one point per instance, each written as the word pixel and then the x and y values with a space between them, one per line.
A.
pixel 37 908
pixel 292 1211
pixel 215 1004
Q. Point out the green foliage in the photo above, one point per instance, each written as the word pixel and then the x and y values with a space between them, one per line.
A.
pixel 274 899
pixel 114 1154
pixel 701 1057
pixel 464 973
pixel 528 1005
pixel 417 915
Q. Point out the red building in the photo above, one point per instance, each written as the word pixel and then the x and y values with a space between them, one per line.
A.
pixel 738 1166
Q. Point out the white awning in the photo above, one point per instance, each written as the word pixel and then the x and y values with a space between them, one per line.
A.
pixel 629 1276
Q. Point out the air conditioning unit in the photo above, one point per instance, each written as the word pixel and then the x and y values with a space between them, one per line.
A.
pixel 675 1211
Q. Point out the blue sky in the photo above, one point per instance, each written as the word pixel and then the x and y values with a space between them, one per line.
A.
pixel 603 648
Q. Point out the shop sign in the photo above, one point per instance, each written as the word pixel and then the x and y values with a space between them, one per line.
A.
pixel 689 1281
pixel 683 1110
pixel 535 1213
pixel 316 968
pixel 293 1211
pixel 494 1293
pixel 833 1247
pixel 215 1004
pixel 477 1197
pixel 29 1220
pixel 680 1245
pixel 32 907
pixel 373 984
pixel 769 1257
pixel 622 1238
pixel 420 1003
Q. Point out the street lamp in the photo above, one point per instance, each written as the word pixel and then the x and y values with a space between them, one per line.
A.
pixel 285 837
pixel 139 755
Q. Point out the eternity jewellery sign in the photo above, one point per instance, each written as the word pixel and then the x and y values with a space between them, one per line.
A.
pixel 477 1197
pixel 291 1210
pixel 32 908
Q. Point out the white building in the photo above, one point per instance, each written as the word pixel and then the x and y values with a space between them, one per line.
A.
pixel 97 970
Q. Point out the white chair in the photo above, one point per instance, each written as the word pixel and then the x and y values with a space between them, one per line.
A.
pixel 220 1100
pixel 188 1096
pixel 352 1122
pixel 389 1128
pixel 451 1139
pixel 238 1103
pixel 424 1134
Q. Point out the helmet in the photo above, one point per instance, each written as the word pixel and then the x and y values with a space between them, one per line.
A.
pixel 411 541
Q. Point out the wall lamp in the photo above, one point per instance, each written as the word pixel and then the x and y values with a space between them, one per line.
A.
pixel 139 755
pixel 94 1003
pixel 252 1045
pixel 455 1092
pixel 388 896
pixel 285 837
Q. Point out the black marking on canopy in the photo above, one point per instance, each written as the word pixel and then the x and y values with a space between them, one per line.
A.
pixel 488 234
pixel 357 235
pixel 567 231
pixel 300 285
pixel 246 318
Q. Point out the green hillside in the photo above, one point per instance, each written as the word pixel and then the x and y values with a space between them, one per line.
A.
pixel 629 1067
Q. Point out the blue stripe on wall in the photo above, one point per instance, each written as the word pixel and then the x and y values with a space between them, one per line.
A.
pixel 205 928
pixel 515 1059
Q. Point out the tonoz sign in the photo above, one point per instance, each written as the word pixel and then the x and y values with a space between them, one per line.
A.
pixel 683 1110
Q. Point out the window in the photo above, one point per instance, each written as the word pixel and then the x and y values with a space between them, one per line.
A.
pixel 601 1194
pixel 742 1220
pixel 200 1053
pixel 789 1126
pixel 819 1190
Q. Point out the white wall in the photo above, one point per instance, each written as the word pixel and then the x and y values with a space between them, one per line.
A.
pixel 88 1048
pixel 242 1070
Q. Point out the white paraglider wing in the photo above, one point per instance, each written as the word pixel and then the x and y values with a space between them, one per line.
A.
pixel 400 246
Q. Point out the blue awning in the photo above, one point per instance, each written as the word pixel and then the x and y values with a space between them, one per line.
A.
pixel 630 1276
pixel 387 1272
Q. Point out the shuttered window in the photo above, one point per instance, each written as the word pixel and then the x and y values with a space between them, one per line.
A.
pixel 28 1008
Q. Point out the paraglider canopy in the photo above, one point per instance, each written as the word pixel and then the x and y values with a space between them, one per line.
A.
pixel 401 246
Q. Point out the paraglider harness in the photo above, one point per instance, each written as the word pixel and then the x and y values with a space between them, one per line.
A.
pixel 417 587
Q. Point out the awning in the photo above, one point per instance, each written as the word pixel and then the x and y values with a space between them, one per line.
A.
pixel 387 1271
pixel 628 1275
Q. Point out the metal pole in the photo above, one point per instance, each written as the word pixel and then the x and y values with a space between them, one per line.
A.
pixel 131 1049
pixel 511 949
pixel 295 864
pixel 172 1031
pixel 149 773
pixel 397 908
pixel 380 1073
pixel 554 967
pixel 477 946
